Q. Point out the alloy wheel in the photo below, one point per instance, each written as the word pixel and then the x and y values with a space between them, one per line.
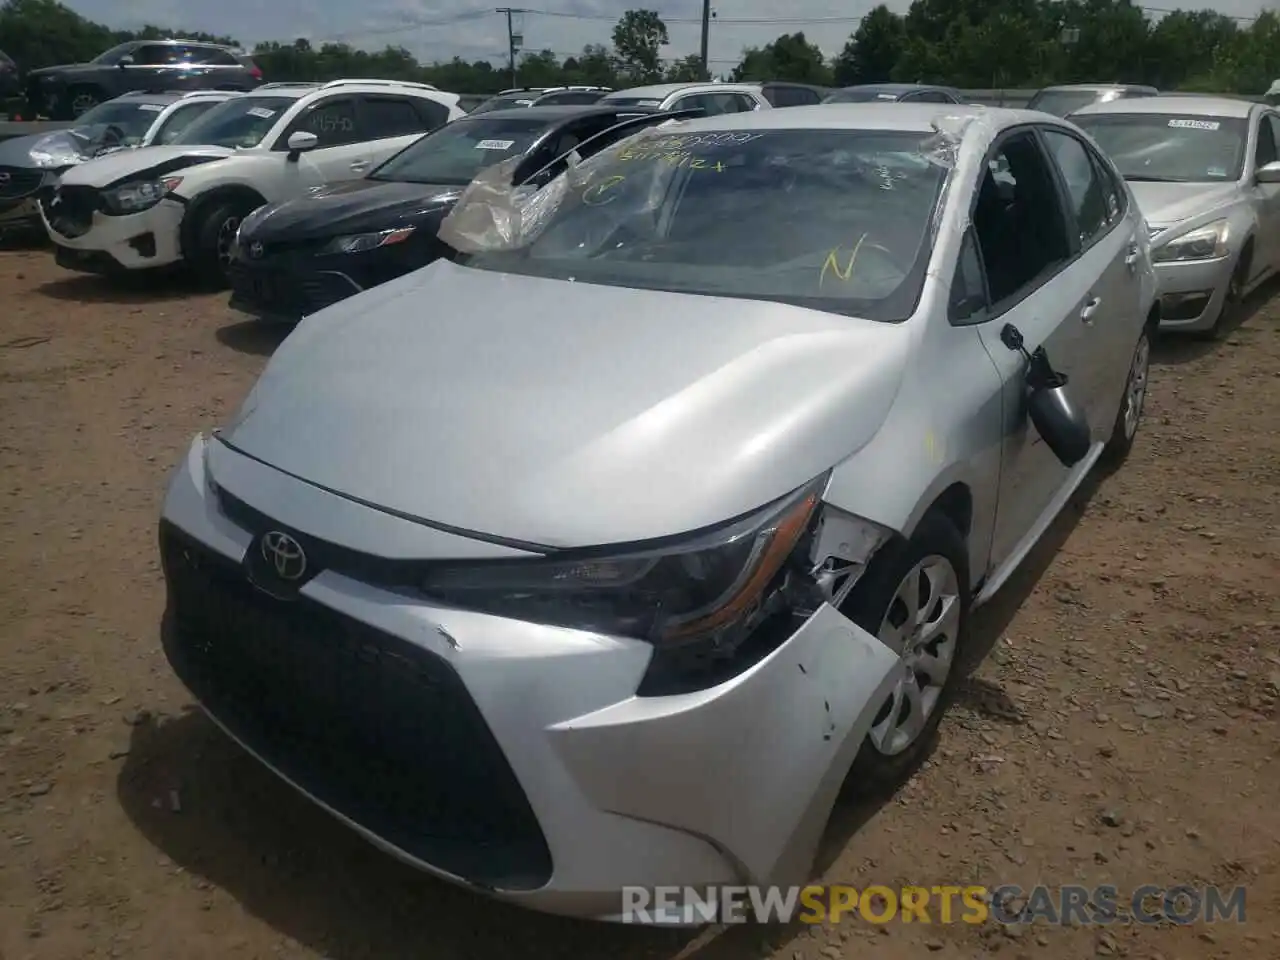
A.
pixel 922 625
pixel 226 239
pixel 1135 393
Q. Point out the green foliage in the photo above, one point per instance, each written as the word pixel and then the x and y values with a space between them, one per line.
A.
pixel 964 43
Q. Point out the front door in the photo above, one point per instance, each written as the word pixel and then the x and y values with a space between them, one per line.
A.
pixel 340 153
pixel 1266 243
pixel 1023 236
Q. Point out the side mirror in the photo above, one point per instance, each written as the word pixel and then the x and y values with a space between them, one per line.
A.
pixel 1268 172
pixel 1061 423
pixel 125 61
pixel 299 142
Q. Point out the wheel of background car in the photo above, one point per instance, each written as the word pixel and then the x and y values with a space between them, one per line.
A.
pixel 80 100
pixel 1129 416
pixel 216 228
pixel 915 597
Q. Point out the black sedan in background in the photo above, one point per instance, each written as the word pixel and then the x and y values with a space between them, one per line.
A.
pixel 294 258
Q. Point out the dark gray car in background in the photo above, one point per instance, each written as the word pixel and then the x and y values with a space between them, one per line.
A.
pixel 1065 99
pixel 65 92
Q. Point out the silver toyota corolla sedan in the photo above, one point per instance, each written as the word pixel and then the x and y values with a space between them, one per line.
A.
pixel 1206 174
pixel 605 554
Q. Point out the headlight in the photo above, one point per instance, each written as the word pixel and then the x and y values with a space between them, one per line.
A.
pixel 363 242
pixel 712 586
pixel 142 195
pixel 1204 243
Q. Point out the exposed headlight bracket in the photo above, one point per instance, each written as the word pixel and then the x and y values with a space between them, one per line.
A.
pixel 842 546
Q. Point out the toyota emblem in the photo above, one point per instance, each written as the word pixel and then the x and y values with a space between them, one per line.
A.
pixel 284 554
pixel 255 250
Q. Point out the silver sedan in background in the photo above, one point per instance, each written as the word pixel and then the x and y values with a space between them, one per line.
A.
pixel 1206 174
pixel 605 554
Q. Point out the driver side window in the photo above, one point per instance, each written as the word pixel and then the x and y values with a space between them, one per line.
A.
pixel 333 121
pixel 1265 152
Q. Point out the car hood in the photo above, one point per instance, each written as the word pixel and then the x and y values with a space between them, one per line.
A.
pixel 1164 204
pixel 146 161
pixel 353 206
pixel 55 149
pixel 567 414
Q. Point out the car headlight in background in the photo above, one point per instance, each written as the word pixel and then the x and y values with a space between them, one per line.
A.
pixel 140 195
pixel 1203 243
pixel 364 242
pixel 713 587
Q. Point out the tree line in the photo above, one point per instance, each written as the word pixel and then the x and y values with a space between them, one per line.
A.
pixel 973 44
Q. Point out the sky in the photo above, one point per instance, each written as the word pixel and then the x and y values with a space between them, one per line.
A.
pixel 473 30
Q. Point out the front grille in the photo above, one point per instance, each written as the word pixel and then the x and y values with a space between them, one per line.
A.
pixel 376 728
pixel 70 209
pixel 277 291
pixel 15 182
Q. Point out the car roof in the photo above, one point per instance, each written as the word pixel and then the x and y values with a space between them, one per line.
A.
pixel 1097 87
pixel 885 115
pixel 897 87
pixel 174 41
pixel 660 91
pixel 1169 104
pixel 163 96
pixel 552 112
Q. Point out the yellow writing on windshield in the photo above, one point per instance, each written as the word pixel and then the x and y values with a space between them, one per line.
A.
pixel 598 194
pixel 675 158
pixel 832 263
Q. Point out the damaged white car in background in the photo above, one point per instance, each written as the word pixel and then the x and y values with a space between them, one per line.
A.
pixel 604 555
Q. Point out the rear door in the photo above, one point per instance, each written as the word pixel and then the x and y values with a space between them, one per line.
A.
pixel 1022 237
pixel 1102 239
pixel 388 123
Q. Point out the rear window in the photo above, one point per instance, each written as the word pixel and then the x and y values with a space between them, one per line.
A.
pixel 455 153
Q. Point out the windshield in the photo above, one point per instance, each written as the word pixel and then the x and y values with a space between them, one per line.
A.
pixel 114 54
pixel 860 96
pixel 633 101
pixel 132 117
pixel 1062 102
pixel 456 152
pixel 1160 147
pixel 241 122
pixel 836 220
pixel 504 103
pixel 180 119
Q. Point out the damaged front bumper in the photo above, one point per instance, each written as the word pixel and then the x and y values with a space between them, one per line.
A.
pixel 512 758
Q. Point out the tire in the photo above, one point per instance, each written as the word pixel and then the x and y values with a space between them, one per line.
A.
pixel 1129 416
pixel 936 546
pixel 1233 302
pixel 79 100
pixel 215 227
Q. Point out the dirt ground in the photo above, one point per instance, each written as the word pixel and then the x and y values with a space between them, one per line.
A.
pixel 1122 730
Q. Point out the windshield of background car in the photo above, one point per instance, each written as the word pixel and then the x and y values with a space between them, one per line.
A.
pixel 180 119
pixel 114 54
pixel 1062 102
pixel 1178 149
pixel 835 220
pixel 860 96
pixel 241 122
pixel 506 103
pixel 456 152
pixel 132 117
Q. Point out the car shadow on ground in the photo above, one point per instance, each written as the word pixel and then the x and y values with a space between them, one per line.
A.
pixel 141 287
pixel 1172 349
pixel 253 336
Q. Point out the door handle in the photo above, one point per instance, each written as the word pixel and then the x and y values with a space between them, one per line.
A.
pixel 1131 257
pixel 359 165
pixel 1089 309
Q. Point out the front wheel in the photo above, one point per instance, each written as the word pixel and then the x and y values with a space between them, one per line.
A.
pixel 79 101
pixel 915 598
pixel 1129 416
pixel 214 233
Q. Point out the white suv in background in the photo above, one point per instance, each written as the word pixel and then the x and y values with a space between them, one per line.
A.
pixel 711 98
pixel 183 202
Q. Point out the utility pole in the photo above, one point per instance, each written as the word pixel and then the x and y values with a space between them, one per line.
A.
pixel 515 37
pixel 706 32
